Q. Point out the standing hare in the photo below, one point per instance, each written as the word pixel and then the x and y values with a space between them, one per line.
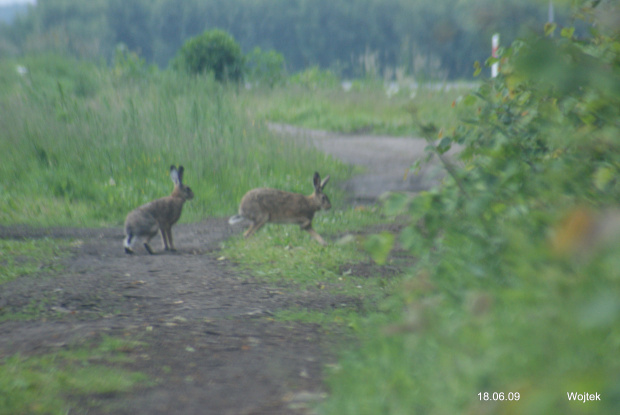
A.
pixel 160 214
pixel 276 206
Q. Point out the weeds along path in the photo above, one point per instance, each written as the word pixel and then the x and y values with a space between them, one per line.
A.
pixel 208 342
pixel 386 160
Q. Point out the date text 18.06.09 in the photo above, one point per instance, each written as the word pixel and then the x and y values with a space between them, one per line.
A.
pixel 499 396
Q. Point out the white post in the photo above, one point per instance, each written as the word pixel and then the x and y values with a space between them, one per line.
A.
pixel 550 14
pixel 494 47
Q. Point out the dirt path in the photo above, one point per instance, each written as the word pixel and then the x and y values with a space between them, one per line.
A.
pixel 210 343
pixel 387 160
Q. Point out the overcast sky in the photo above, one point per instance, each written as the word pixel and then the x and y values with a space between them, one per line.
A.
pixel 5 2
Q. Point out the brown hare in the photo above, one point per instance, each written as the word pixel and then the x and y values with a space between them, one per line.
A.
pixel 160 214
pixel 276 206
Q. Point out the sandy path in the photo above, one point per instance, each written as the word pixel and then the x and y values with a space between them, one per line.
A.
pixel 387 160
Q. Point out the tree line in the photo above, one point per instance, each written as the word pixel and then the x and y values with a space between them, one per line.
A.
pixel 432 38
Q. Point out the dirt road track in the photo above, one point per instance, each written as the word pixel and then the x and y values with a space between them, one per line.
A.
pixel 209 340
pixel 387 160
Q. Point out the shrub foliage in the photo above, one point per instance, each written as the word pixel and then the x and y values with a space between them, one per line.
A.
pixel 214 51
pixel 517 286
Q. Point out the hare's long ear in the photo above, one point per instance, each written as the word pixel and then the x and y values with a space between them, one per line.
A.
pixel 181 170
pixel 174 175
pixel 324 182
pixel 317 181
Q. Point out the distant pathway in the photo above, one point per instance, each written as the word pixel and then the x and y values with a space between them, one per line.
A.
pixel 387 160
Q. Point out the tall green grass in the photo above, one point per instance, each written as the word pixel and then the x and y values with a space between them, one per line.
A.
pixel 83 144
pixel 367 106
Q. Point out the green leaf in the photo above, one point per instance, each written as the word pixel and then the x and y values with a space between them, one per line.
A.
pixel 469 100
pixel 588 118
pixel 379 246
pixel 428 129
pixel 397 203
pixel 490 61
pixel 477 68
pixel 410 238
pixel 567 32
pixel 550 28
pixel 603 176
pixel 444 145
pixel 498 208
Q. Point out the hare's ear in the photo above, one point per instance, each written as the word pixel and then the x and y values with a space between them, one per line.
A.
pixel 174 175
pixel 317 181
pixel 324 182
pixel 181 170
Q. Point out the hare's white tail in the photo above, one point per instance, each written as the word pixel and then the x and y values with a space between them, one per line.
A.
pixel 235 219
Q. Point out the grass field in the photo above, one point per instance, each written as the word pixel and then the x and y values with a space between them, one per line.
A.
pixel 361 107
pixel 84 146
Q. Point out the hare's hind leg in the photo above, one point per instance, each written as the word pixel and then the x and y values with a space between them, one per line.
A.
pixel 257 223
pixel 128 244
pixel 146 244
pixel 148 247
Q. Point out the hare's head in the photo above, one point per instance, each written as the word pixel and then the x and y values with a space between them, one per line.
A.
pixel 318 194
pixel 180 190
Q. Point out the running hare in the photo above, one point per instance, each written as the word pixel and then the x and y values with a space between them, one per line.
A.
pixel 276 206
pixel 160 214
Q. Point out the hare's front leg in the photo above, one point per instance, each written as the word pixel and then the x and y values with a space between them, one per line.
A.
pixel 166 236
pixel 316 236
pixel 307 226
pixel 170 243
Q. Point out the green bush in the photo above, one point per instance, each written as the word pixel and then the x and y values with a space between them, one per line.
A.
pixel 129 66
pixel 516 288
pixel 214 51
pixel 265 67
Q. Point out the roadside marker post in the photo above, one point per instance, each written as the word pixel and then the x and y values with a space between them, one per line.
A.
pixel 494 47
